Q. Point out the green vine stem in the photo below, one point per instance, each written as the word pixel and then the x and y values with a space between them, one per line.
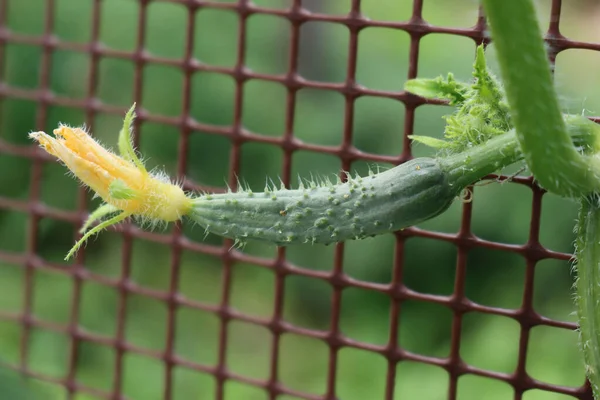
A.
pixel 588 287
pixel 534 106
pixel 548 152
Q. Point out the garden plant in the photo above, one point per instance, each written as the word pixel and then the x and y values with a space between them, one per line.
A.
pixel 496 123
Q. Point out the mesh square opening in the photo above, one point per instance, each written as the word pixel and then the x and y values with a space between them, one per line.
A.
pixel 323 51
pixel 461 14
pixel 48 352
pixel 266 117
pixel 116 83
pixel 553 290
pixel 26 17
pixel 549 347
pixel 208 157
pixel 16 184
pixel 425 328
pixel 282 4
pixel 307 302
pixel 378 125
pixel 18 117
pixel 268 43
pixel 428 121
pixel 98 308
pixel 371 259
pixel 119 24
pixel 59 188
pixel 365 316
pixel 259 162
pixel 395 11
pixel 213 98
pixel 189 384
pixel 340 7
pixel 239 390
pixel 74 20
pixel 537 394
pixel 166 29
pixel 159 97
pixel 303 363
pixel 361 374
pixel 495 278
pixel 216 37
pixel 22 64
pixel 95 363
pixel 248 349
pixel 144 376
pixel 557 221
pixel 197 335
pixel 319 116
pixel 150 265
pixel 10 340
pixel 200 277
pixel 252 290
pixel 13 231
pixel 159 147
pixel 311 165
pixel 146 322
pixel 12 280
pixel 415 380
pixel 443 53
pixel 70 73
pixel 578 21
pixel 473 387
pixel 490 342
pixel 383 58
pixel 52 296
pixel 501 212
pixel 424 258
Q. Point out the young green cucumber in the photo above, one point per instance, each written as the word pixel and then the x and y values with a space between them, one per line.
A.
pixel 402 196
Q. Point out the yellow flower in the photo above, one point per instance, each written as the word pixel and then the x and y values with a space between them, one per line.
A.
pixel 121 181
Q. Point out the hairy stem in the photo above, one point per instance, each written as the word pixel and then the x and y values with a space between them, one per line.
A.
pixel 533 103
pixel 475 163
pixel 588 287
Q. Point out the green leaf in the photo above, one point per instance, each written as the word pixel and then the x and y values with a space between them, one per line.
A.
pixel 125 143
pixel 429 141
pixel 438 88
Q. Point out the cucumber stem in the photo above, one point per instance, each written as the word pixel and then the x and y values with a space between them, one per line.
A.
pixel 469 166
pixel 587 294
pixel 533 102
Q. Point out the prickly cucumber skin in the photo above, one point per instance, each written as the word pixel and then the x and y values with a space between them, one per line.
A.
pixel 403 196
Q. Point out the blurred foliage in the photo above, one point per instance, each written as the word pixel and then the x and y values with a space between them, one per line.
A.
pixel 501 212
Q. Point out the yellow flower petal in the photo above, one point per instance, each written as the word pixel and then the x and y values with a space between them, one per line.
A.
pixel 122 182
pixel 151 197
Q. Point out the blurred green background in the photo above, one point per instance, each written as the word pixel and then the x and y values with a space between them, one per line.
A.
pixel 500 212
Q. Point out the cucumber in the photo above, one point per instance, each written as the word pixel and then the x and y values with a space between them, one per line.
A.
pixel 360 207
